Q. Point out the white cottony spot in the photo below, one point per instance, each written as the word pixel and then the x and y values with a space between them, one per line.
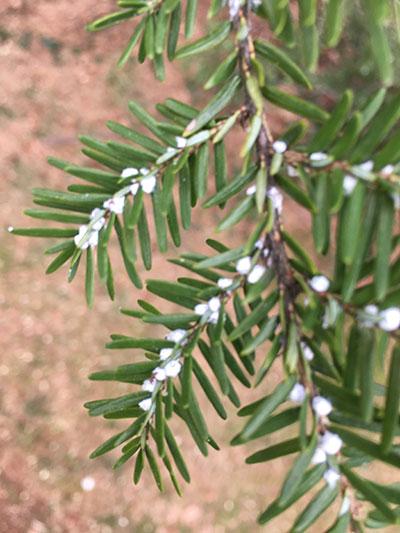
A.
pixel 256 274
pixel 128 172
pixel 200 309
pixel 371 309
pixel 276 198
pixel 280 147
pixel 91 241
pixel 148 184
pixel 159 373
pixel 331 477
pixel 321 406
pixel 367 166
pixel 165 353
pixel 330 443
pixel 298 393
pixel 234 6
pixel 224 283
pixel 318 156
pixel 345 507
pixel 387 170
pixel 214 317
pixel 371 316
pixel 349 184
pixel 251 190
pixel 319 456
pixel 133 189
pixel 145 404
pixel 292 171
pixel 10 228
pixel 88 484
pixel 243 266
pixel 115 205
pixel 173 368
pixel 144 171
pixel 389 319
pixel 148 385
pixel 308 353
pixel 214 304
pixel 176 335
pixel 319 283
pixel 259 244
pixel 396 200
pixel 93 238
pixel 181 142
pixel 99 223
pixel 79 236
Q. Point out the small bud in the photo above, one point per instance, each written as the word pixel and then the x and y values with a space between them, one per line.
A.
pixel 251 190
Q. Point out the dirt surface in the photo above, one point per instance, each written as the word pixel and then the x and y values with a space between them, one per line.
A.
pixel 56 81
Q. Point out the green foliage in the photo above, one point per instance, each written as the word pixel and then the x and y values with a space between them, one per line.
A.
pixel 335 336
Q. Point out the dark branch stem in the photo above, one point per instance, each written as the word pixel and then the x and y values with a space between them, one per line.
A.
pixel 287 283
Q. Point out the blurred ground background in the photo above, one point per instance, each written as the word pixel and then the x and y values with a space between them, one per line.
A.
pixel 56 80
